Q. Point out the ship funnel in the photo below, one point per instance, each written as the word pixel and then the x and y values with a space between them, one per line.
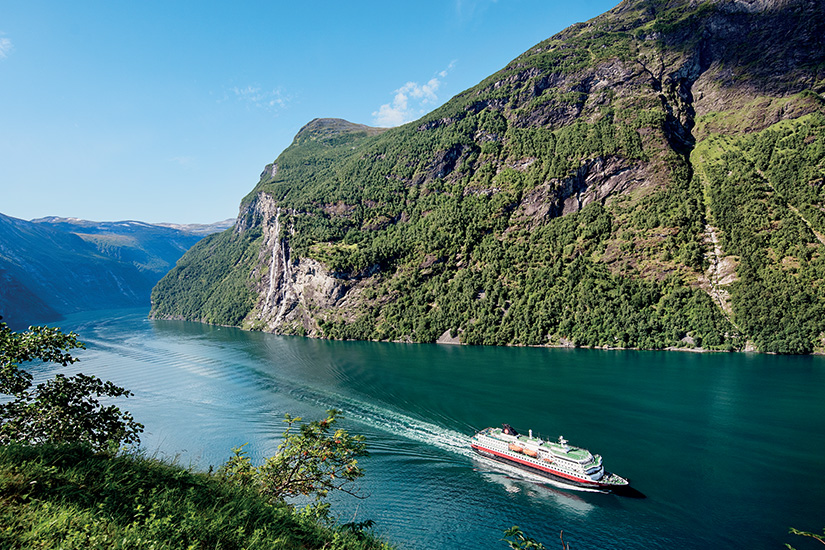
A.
pixel 508 429
pixel 531 433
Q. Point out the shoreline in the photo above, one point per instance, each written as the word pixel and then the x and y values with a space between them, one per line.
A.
pixel 446 340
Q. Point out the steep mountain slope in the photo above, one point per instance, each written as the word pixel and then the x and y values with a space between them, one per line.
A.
pixel 650 178
pixel 53 266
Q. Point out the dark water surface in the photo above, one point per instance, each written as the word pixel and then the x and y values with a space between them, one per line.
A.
pixel 728 448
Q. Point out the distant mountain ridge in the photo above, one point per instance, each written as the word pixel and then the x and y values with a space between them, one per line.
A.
pixel 200 228
pixel 53 266
pixel 77 225
pixel 650 178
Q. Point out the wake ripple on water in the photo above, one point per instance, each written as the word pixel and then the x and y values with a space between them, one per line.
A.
pixel 377 417
pixel 388 420
pixel 428 433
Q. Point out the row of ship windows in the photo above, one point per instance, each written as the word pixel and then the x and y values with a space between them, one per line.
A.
pixel 560 467
pixel 505 446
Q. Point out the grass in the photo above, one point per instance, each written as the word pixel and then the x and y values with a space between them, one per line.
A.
pixel 69 497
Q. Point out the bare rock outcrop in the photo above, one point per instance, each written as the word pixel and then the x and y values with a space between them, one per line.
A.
pixel 596 180
pixel 293 293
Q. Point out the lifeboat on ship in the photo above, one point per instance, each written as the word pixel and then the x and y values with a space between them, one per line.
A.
pixel 554 460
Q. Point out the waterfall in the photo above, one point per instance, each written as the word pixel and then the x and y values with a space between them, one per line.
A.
pixel 273 266
pixel 280 272
pixel 287 276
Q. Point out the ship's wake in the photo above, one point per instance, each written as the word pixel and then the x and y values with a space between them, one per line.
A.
pixel 376 416
pixel 396 423
pixel 407 427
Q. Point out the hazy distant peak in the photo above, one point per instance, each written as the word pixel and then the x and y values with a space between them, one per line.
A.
pixel 74 224
pixel 200 228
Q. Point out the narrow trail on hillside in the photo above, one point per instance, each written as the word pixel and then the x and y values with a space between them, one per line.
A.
pixel 819 236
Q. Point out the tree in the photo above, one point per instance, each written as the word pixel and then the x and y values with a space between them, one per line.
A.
pixel 312 459
pixel 63 409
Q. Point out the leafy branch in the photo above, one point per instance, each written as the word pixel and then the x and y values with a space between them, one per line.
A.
pixel 524 542
pixel 62 409
pixel 312 459
pixel 820 538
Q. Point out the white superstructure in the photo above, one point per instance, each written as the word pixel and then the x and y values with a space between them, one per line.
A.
pixel 557 459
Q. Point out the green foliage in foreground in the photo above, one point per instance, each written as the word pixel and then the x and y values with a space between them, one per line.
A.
pixel 63 409
pixel 311 460
pixel 517 540
pixel 70 497
pixel 61 485
pixel 520 541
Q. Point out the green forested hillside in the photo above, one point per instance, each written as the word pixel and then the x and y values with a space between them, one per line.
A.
pixel 645 179
pixel 766 196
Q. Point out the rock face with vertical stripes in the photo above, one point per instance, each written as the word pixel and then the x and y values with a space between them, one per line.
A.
pixel 291 292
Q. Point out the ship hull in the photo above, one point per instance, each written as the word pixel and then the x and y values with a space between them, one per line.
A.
pixel 547 473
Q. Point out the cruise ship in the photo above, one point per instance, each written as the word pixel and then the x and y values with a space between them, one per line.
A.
pixel 556 460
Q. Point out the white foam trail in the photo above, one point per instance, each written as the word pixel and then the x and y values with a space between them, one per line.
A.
pixel 442 438
pixel 374 416
pixel 395 423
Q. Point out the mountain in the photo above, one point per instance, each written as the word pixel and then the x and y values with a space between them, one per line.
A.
pixel 148 247
pixel 53 266
pixel 202 229
pixel 654 177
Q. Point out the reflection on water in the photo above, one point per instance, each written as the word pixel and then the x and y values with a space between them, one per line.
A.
pixel 538 489
pixel 729 442
pixel 513 472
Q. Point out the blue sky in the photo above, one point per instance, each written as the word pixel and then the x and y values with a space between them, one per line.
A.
pixel 168 111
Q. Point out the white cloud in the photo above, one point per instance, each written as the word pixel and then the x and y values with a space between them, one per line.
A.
pixel 410 101
pixel 392 115
pixel 467 9
pixel 257 97
pixel 5 47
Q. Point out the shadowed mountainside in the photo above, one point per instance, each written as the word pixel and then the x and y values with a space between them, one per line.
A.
pixel 54 266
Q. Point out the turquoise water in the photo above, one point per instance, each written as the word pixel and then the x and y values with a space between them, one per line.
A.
pixel 728 448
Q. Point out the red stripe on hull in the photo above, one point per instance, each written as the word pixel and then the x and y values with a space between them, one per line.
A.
pixel 540 468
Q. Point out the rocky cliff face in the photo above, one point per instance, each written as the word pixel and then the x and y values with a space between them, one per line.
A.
pixel 293 292
pixel 582 194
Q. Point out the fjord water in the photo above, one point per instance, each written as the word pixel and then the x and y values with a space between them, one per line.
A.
pixel 729 449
